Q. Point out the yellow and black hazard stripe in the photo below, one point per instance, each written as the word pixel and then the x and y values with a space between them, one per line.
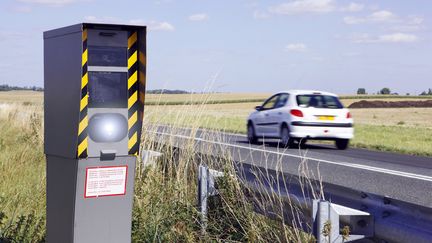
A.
pixel 134 130
pixel 142 84
pixel 83 118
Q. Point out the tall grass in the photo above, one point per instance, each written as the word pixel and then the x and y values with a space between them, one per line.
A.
pixel 165 203
pixel 166 208
pixel 22 169
pixel 233 213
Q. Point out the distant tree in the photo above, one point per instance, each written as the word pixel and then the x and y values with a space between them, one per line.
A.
pixel 385 91
pixel 407 94
pixel 361 91
pixel 423 93
pixel 166 91
pixel 429 92
pixel 5 87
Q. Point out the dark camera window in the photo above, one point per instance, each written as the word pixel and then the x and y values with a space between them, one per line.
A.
pixel 107 56
pixel 107 90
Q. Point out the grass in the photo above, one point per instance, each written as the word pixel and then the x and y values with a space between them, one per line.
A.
pixel 22 169
pixel 165 205
pixel 399 138
pixel 22 160
pixel 227 112
pixel 373 128
pixel 21 97
pixel 36 98
pixel 407 117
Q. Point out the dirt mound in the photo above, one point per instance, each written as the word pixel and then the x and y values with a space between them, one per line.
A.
pixel 391 104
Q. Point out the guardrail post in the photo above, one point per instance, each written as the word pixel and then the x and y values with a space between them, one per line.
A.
pixel 206 188
pixel 327 219
pixel 203 173
pixel 327 223
pixel 149 157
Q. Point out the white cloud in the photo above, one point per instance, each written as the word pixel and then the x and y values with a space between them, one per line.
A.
pixel 313 6
pixel 398 37
pixel 415 20
pixel 105 20
pixel 198 17
pixel 159 2
pixel 151 24
pixel 386 38
pixel 296 47
pixel 352 20
pixel 260 15
pixel 57 3
pixel 382 16
pixel 411 24
pixel 394 22
pixel 361 38
pixel 353 7
pixel 304 6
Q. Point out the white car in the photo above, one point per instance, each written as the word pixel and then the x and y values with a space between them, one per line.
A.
pixel 298 115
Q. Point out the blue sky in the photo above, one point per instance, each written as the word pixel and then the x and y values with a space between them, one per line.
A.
pixel 244 45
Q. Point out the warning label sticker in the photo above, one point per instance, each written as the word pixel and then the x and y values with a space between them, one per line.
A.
pixel 105 181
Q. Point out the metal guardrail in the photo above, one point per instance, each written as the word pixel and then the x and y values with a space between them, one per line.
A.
pixel 389 220
pixel 380 218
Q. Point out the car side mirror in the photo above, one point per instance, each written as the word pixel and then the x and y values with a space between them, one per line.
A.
pixel 258 108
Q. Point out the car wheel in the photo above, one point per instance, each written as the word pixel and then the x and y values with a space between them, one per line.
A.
pixel 342 144
pixel 286 140
pixel 252 138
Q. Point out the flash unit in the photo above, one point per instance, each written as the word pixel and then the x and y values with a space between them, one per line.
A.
pixel 107 127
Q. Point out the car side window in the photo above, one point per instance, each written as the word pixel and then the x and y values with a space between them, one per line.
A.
pixel 282 100
pixel 270 103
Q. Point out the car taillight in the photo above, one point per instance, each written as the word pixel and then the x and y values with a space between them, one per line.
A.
pixel 297 113
pixel 349 115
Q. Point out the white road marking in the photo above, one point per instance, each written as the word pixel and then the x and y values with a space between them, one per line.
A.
pixel 356 166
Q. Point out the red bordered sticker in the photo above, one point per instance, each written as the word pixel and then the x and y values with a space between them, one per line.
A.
pixel 105 181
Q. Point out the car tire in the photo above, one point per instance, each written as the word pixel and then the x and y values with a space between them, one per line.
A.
pixel 342 144
pixel 286 140
pixel 252 138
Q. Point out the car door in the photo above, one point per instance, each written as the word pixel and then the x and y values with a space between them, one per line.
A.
pixel 277 115
pixel 263 120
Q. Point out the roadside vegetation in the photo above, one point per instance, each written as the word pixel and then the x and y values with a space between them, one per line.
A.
pixel 165 206
pixel 402 130
pixel 165 203
pixel 409 128
pixel 22 173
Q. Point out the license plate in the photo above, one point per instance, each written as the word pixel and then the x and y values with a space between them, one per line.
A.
pixel 326 118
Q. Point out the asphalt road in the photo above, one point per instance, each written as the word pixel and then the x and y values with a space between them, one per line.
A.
pixel 399 177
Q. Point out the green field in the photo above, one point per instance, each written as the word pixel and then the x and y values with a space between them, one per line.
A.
pixel 404 130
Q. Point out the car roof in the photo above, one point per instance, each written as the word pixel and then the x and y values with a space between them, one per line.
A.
pixel 298 92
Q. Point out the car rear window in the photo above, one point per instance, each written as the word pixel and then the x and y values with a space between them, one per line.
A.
pixel 319 101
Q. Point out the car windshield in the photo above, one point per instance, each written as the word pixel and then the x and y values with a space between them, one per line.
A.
pixel 319 101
